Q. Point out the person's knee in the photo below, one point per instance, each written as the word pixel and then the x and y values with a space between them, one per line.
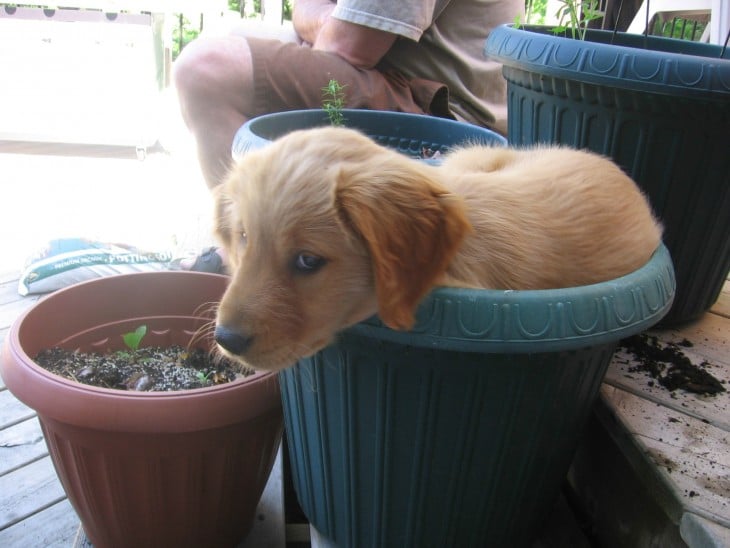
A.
pixel 210 68
pixel 198 66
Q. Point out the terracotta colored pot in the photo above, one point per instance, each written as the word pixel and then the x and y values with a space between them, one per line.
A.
pixel 183 468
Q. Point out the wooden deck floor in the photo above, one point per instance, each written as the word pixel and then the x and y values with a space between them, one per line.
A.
pixel 675 444
pixel 167 200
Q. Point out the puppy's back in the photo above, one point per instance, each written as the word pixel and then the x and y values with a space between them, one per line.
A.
pixel 548 217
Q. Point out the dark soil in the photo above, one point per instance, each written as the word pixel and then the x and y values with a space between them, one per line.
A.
pixel 145 370
pixel 669 366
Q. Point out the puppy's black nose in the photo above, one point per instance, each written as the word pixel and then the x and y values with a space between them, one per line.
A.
pixel 233 341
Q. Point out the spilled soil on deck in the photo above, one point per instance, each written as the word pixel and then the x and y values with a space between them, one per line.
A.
pixel 669 366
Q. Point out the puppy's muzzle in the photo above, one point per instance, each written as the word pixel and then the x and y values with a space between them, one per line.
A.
pixel 233 341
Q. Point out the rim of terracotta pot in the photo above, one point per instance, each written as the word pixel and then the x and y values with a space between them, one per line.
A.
pixel 499 321
pixel 627 61
pixel 55 397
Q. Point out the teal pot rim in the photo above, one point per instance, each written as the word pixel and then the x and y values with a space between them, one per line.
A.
pixel 498 321
pixel 176 411
pixel 402 130
pixel 620 60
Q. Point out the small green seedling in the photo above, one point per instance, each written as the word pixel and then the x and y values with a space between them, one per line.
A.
pixel 573 15
pixel 202 377
pixel 134 338
pixel 534 13
pixel 333 101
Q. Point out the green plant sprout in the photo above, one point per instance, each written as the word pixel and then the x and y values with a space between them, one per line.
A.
pixel 134 338
pixel 333 101
pixel 534 13
pixel 574 15
pixel 202 377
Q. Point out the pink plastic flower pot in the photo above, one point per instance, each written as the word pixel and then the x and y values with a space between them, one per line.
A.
pixel 182 468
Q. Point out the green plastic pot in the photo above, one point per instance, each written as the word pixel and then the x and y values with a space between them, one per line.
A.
pixel 660 108
pixel 405 132
pixel 461 431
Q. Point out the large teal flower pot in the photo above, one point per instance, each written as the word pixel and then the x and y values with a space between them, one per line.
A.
pixel 660 108
pixel 459 432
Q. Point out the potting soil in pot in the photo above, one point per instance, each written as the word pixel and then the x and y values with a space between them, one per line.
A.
pixel 145 369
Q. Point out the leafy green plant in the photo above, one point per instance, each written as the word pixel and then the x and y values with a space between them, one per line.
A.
pixel 134 338
pixel 333 101
pixel 574 16
pixel 535 11
pixel 254 8
pixel 182 34
pixel 679 28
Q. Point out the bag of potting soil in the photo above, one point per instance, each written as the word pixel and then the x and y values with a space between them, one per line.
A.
pixel 66 261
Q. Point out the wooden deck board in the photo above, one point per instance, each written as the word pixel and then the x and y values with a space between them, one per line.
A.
pixel 21 444
pixel 12 411
pixel 28 490
pixel 692 454
pixel 55 526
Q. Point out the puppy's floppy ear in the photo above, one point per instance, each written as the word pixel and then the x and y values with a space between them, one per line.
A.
pixel 222 216
pixel 412 227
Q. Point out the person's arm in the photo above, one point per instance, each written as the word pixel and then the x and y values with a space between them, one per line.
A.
pixel 308 17
pixel 361 46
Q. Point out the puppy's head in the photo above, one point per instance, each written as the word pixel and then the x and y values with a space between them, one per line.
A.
pixel 324 228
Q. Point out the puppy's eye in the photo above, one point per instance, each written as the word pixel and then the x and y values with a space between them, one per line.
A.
pixel 242 238
pixel 306 263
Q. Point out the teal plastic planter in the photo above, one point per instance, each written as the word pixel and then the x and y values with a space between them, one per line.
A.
pixel 660 108
pixel 461 431
pixel 408 133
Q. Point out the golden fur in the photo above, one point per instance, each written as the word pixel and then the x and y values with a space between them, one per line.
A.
pixel 379 230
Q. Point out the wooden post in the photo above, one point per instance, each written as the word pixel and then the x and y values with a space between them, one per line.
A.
pixel 272 11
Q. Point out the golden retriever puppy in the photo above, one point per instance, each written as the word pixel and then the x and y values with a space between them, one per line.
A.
pixel 324 228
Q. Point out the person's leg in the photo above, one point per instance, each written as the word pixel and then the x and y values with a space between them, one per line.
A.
pixel 222 82
pixel 214 81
